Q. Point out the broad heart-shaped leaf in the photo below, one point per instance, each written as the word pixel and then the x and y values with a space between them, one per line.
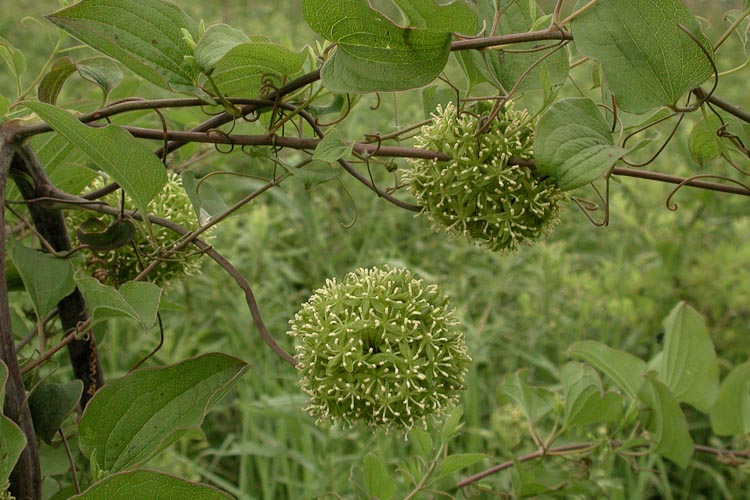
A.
pixel 149 485
pixel 585 401
pixel 215 43
pixel 665 419
pixel 47 279
pixel 689 366
pixel 625 370
pixel 131 165
pixel 242 70
pixel 12 438
pixel 144 35
pixel 373 54
pixel 504 68
pixel 535 402
pixel 131 419
pixel 647 59
pixel 730 415
pixel 51 84
pixel 378 482
pixel 50 404
pixel 138 300
pixel 573 144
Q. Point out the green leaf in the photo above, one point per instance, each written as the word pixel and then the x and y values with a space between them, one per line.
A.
pixel 585 400
pixel 51 84
pixel 625 370
pixel 667 422
pixel 215 43
pixel 243 69
pixel 504 68
pixel 12 438
pixel 149 485
pixel 138 300
pixel 207 201
pixel 4 106
pixel 48 279
pixel 535 402
pixel 452 424
pixel 573 144
pixel 454 463
pixel 131 419
pixel 433 96
pixel 647 59
pixel 731 413
pixel 50 404
pixel 703 143
pixel 422 441
pixel 13 57
pixel 314 173
pixel 131 165
pixel 144 35
pixel 689 366
pixel 102 72
pixel 378 482
pixel 333 147
pixel 373 54
pixel 102 236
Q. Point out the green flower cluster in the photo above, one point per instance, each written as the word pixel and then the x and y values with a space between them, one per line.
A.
pixel 4 493
pixel 477 193
pixel 122 264
pixel 380 348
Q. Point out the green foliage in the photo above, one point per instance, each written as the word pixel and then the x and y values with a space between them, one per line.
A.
pixel 548 426
pixel 12 438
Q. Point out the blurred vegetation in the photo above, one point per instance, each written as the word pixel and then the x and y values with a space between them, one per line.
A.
pixel 614 284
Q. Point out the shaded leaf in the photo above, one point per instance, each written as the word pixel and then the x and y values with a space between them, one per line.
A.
pixel 731 413
pixel 422 441
pixel 647 59
pixel 573 144
pixel 47 279
pixel 625 370
pixel 103 237
pixel 138 300
pixel 149 485
pixel 102 72
pixel 131 419
pixel 667 422
pixel 703 143
pixel 50 404
pixel 144 35
pixel 454 463
pixel 243 69
pixel 585 400
pixel 51 84
pixel 115 151
pixel 535 402
pixel 689 366
pixel 207 201
pixel 215 43
pixel 333 147
pixel 378 482
pixel 12 438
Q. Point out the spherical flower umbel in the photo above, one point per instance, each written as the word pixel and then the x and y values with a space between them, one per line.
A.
pixel 380 348
pixel 477 193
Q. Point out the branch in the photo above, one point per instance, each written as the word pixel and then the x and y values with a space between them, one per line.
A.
pixel 33 183
pixel 26 478
pixel 723 104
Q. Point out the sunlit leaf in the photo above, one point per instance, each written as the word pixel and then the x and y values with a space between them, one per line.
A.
pixel 625 370
pixel 585 401
pixel 378 482
pixel 138 300
pixel 149 485
pixel 731 413
pixel 57 75
pixel 535 402
pixel 131 419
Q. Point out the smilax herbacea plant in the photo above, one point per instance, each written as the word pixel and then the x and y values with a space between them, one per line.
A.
pixel 381 348
pixel 477 193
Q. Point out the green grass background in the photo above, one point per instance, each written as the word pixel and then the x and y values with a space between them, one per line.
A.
pixel 614 284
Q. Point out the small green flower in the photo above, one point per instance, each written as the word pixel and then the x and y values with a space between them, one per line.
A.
pixel 4 493
pixel 380 348
pixel 123 264
pixel 476 192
